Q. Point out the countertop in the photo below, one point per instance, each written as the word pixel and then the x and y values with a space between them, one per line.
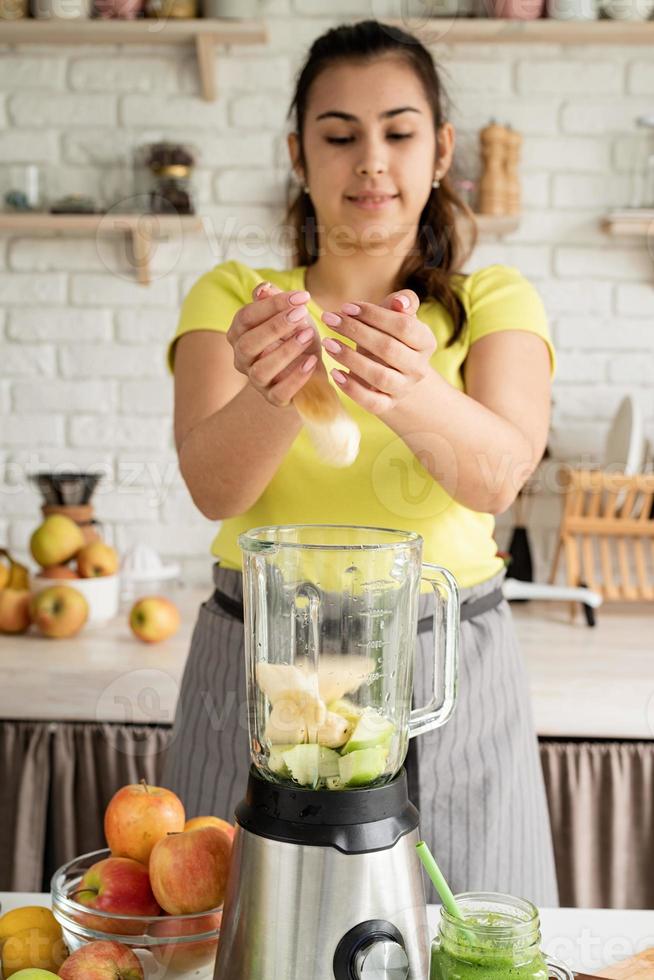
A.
pixel 584 939
pixel 586 683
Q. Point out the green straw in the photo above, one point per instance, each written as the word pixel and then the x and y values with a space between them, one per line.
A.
pixel 441 886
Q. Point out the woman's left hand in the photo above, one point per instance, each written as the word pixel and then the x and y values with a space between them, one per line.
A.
pixel 391 353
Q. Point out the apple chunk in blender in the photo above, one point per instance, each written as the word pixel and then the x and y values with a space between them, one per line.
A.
pixel 317 737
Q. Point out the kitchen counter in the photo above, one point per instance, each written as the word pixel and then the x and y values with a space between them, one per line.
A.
pixel 81 717
pixel 584 939
pixel 586 683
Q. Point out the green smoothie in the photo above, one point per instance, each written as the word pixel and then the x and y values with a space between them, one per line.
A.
pixel 490 946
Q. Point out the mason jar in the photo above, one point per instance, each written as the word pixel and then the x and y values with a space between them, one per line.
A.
pixel 501 937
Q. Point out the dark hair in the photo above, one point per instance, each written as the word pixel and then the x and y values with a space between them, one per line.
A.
pixel 432 269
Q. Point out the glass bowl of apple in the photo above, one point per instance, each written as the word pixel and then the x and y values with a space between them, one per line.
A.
pixel 168 947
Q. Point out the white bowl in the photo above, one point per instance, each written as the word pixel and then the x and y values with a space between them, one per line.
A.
pixel 101 593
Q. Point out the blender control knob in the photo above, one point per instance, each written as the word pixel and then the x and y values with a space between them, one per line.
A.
pixel 383 959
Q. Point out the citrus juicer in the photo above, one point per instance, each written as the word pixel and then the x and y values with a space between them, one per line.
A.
pixel 325 881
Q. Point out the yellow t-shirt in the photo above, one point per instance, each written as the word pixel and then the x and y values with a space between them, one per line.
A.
pixel 386 486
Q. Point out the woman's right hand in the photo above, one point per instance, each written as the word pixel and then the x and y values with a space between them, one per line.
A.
pixel 274 345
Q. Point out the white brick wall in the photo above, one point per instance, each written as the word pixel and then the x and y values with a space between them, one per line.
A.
pixel 82 375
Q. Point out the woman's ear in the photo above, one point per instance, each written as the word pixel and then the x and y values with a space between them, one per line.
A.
pixel 446 144
pixel 294 153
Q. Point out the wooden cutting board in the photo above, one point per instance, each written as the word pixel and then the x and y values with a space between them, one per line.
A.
pixel 639 967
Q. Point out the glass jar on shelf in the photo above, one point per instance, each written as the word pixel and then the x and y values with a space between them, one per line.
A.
pixel 26 188
pixel 170 177
pixel 641 152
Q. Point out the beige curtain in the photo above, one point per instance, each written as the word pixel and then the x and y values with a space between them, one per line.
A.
pixel 56 780
pixel 24 789
pixel 601 797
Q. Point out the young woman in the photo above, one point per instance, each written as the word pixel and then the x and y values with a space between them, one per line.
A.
pixel 448 378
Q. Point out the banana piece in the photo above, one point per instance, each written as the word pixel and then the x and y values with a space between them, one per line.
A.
pixel 340 675
pixel 286 724
pixel 335 732
pixel 299 696
pixel 295 693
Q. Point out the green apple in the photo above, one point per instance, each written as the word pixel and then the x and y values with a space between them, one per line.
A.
pixel 34 974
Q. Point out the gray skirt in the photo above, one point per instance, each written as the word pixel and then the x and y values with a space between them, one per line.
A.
pixel 483 807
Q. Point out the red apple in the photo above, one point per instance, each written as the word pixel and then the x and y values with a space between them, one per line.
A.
pixel 59 611
pixel 189 871
pixel 154 618
pixel 138 816
pixel 186 957
pixel 119 886
pixel 197 822
pixel 14 610
pixel 102 960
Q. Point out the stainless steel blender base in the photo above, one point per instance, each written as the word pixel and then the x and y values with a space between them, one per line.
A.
pixel 288 906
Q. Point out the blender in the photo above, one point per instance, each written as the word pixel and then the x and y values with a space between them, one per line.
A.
pixel 325 881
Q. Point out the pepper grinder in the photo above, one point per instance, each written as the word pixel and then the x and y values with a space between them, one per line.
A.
pixel 493 185
pixel 512 167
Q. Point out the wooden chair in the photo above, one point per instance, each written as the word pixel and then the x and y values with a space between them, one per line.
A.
pixel 607 534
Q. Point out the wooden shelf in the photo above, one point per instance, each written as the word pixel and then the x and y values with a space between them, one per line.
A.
pixel 145 230
pixel 205 35
pixel 634 222
pixel 226 31
pixel 491 31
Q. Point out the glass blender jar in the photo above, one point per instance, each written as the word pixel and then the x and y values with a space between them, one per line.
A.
pixel 331 619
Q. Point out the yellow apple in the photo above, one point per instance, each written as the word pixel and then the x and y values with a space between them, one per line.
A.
pixel 14 610
pixel 97 558
pixel 59 611
pixel 154 618
pixel 56 541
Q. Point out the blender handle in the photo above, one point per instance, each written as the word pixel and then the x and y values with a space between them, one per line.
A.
pixel 557 971
pixel 446 668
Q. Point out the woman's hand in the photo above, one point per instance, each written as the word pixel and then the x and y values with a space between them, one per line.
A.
pixel 274 345
pixel 391 353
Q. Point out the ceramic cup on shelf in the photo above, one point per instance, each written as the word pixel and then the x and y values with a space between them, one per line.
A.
pixel 573 9
pixel 633 10
pixel 231 8
pixel 61 9
pixel 516 9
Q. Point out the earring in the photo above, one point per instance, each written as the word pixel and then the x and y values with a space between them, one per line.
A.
pixel 306 189
pixel 436 183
